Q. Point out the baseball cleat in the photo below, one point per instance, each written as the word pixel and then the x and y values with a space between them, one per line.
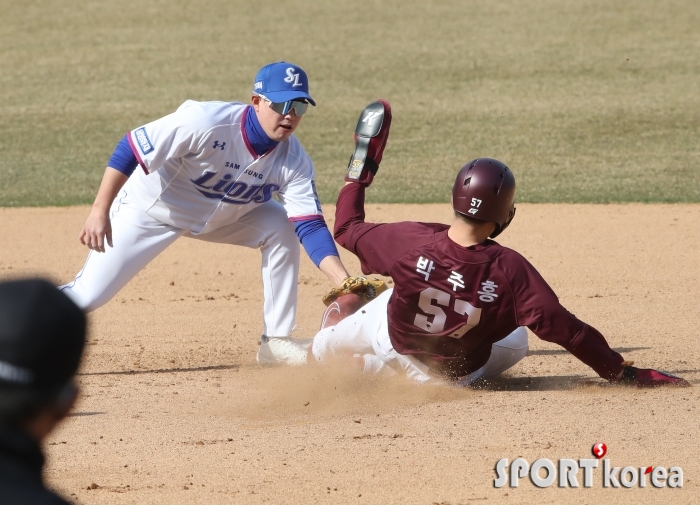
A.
pixel 371 135
pixel 650 378
pixel 282 351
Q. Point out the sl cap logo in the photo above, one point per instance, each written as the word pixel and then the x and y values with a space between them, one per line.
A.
pixel 292 77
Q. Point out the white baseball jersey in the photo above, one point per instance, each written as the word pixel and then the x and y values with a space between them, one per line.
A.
pixel 200 172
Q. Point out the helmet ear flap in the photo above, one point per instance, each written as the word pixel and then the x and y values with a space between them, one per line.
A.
pixel 500 229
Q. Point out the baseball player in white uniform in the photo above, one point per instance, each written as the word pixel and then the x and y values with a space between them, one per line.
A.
pixel 210 171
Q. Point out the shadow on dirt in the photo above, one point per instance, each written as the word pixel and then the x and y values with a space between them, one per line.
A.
pixel 545 383
pixel 165 370
pixel 693 370
pixel 558 383
pixel 549 352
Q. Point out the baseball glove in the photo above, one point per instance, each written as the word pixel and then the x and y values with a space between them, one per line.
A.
pixel 365 288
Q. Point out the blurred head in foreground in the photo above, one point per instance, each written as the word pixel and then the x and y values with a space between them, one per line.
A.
pixel 42 336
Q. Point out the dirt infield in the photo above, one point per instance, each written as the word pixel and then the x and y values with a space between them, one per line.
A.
pixel 174 408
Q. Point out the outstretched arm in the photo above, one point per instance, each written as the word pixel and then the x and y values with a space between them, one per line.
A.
pixel 318 243
pixel 540 310
pixel 376 245
pixel 371 134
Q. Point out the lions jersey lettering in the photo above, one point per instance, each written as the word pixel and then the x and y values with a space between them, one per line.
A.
pixel 237 192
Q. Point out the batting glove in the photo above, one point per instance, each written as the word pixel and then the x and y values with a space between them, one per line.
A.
pixel 650 378
pixel 371 134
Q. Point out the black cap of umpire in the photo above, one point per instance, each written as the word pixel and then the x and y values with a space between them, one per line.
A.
pixel 42 336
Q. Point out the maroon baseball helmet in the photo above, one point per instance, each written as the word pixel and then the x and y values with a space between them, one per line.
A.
pixel 484 190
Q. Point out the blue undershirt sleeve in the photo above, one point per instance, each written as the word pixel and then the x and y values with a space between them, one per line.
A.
pixel 123 158
pixel 316 239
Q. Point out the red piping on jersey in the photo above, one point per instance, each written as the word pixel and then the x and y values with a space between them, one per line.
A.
pixel 306 218
pixel 133 149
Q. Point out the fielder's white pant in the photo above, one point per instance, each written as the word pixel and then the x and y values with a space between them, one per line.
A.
pixel 365 333
pixel 138 239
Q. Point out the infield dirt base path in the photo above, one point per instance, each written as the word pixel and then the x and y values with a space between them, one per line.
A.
pixel 174 408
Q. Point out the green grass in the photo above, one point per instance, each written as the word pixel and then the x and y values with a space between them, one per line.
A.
pixel 587 101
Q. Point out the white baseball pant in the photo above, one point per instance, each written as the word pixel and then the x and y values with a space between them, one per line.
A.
pixel 138 239
pixel 365 333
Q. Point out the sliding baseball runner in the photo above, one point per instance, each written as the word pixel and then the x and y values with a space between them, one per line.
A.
pixel 460 302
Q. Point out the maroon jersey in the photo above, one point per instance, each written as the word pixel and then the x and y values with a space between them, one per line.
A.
pixel 450 303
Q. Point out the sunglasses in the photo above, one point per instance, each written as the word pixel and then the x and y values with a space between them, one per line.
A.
pixel 284 107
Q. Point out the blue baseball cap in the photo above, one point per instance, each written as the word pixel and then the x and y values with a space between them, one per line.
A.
pixel 280 82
